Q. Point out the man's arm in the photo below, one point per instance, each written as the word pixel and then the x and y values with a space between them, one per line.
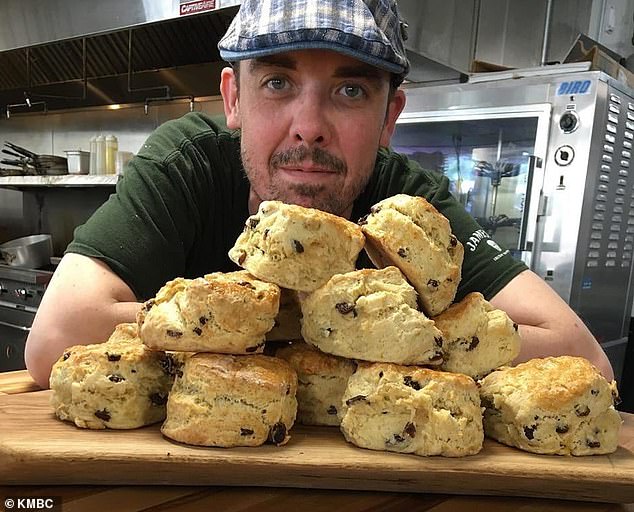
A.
pixel 548 326
pixel 83 303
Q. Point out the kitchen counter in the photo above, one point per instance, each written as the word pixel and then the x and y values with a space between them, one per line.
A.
pixel 227 498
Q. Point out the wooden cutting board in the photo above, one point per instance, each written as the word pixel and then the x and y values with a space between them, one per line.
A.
pixel 36 448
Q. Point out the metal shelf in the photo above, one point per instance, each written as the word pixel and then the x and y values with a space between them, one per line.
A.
pixel 68 181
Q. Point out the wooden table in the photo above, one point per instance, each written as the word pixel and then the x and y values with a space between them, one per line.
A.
pixel 223 498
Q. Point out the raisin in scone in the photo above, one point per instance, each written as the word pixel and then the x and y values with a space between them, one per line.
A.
pixel 295 247
pixel 409 409
pixel 119 384
pixel 287 323
pixel 477 338
pixel 370 315
pixel 557 405
pixel 322 380
pixel 408 232
pixel 227 313
pixel 223 400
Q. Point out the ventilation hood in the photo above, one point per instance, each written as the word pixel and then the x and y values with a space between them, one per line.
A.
pixel 60 54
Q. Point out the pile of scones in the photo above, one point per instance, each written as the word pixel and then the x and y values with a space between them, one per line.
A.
pixel 385 354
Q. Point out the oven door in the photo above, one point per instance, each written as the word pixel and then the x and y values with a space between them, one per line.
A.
pixel 15 325
pixel 493 157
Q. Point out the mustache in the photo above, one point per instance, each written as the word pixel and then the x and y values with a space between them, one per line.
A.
pixel 300 154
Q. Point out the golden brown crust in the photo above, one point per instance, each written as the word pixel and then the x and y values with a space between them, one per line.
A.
pixel 295 247
pixel 556 405
pixel 311 361
pixel 551 382
pixel 247 374
pixel 125 332
pixel 220 312
pixel 224 400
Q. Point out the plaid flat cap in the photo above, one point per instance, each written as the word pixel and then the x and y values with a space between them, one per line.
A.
pixel 368 30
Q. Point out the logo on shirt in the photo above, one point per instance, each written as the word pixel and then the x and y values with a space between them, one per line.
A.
pixel 494 245
pixel 480 235
pixel 476 238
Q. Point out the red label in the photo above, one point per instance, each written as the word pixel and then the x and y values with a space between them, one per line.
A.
pixel 198 6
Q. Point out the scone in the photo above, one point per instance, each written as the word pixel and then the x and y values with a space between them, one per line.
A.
pixel 224 313
pixel 370 315
pixel 223 400
pixel 410 233
pixel 125 332
pixel 557 405
pixel 119 384
pixel 412 410
pixel 322 380
pixel 296 247
pixel 477 338
pixel 287 325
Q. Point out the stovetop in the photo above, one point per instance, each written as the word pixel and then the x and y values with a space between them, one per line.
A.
pixel 23 288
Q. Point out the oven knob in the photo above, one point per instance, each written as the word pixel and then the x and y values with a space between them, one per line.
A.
pixel 23 293
pixel 568 121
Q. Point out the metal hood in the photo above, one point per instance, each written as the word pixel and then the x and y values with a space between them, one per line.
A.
pixel 60 54
pixel 57 54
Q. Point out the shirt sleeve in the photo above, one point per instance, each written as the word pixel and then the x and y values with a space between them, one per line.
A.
pixel 148 231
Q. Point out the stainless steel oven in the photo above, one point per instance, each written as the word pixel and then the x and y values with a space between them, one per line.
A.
pixel 541 158
pixel 21 292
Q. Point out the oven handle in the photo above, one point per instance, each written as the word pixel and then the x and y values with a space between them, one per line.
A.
pixel 14 326
pixel 533 162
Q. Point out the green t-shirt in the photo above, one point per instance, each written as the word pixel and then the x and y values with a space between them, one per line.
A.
pixel 183 202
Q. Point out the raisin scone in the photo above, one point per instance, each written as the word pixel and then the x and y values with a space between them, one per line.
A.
pixel 295 247
pixel 408 232
pixel 119 384
pixel 477 338
pixel 322 380
pixel 228 313
pixel 224 400
pixel 409 409
pixel 125 332
pixel 556 405
pixel 288 321
pixel 371 315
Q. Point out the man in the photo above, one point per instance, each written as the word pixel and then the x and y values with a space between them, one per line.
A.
pixel 314 92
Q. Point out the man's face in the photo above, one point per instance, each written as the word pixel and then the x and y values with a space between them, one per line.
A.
pixel 311 122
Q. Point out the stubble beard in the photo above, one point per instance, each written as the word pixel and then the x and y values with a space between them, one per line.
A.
pixel 321 197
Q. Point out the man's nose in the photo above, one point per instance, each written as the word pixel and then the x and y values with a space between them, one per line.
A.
pixel 311 121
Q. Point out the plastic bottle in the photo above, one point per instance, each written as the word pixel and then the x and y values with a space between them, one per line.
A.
pixel 100 160
pixel 112 146
pixel 92 168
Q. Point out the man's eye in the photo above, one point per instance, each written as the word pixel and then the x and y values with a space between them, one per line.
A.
pixel 351 91
pixel 276 83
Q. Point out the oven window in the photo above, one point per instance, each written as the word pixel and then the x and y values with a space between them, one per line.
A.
pixel 486 160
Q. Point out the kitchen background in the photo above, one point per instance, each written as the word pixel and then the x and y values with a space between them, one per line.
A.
pixel 71 70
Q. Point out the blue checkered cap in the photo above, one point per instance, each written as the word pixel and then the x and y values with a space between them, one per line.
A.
pixel 368 30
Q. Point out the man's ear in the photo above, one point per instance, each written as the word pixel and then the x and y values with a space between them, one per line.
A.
pixel 229 91
pixel 394 109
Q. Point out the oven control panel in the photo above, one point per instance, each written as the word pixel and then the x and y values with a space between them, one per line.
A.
pixel 21 295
